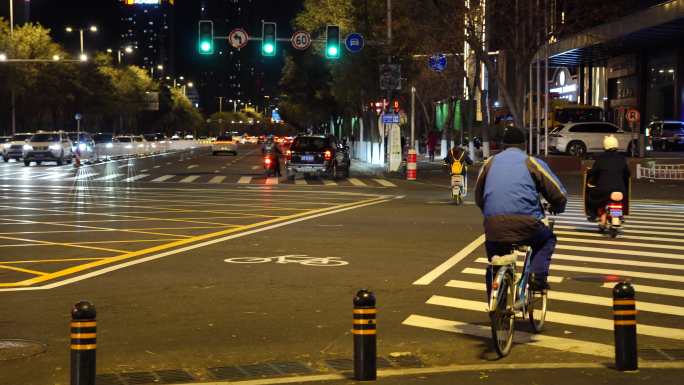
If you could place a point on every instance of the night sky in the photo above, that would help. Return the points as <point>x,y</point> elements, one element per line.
<point>56,14</point>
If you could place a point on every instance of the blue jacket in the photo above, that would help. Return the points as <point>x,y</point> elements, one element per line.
<point>507,192</point>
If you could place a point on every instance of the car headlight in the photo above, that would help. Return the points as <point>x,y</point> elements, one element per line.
<point>109,145</point>
<point>154,145</point>
<point>55,146</point>
<point>6,145</point>
<point>82,146</point>
<point>27,147</point>
<point>129,146</point>
<point>141,145</point>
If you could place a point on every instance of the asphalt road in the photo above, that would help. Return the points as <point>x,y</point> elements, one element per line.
<point>200,274</point>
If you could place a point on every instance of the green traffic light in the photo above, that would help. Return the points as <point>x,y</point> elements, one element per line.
<point>205,46</point>
<point>332,51</point>
<point>268,48</point>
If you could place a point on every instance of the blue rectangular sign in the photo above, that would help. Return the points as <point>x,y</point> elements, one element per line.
<point>391,118</point>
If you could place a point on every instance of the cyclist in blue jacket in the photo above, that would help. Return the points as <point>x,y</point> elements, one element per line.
<point>507,192</point>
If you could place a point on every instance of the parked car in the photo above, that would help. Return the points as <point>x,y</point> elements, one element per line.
<point>666,135</point>
<point>48,146</point>
<point>317,154</point>
<point>82,144</point>
<point>224,143</point>
<point>580,138</point>
<point>14,147</point>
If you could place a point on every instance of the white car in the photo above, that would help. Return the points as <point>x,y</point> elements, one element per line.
<point>82,144</point>
<point>224,143</point>
<point>48,146</point>
<point>580,138</point>
<point>14,148</point>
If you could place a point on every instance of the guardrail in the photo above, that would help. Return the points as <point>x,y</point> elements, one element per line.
<point>661,171</point>
<point>106,151</point>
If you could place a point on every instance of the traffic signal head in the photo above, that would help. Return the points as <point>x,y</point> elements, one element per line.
<point>205,43</point>
<point>268,36</point>
<point>332,42</point>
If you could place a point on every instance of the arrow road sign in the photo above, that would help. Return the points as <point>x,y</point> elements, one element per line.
<point>301,40</point>
<point>437,62</point>
<point>354,42</point>
<point>238,38</point>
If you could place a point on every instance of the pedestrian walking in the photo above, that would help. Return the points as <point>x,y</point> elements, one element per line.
<point>431,144</point>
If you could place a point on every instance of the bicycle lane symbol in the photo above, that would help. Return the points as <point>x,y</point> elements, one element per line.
<point>301,259</point>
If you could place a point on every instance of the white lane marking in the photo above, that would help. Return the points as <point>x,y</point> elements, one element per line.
<point>619,262</point>
<point>381,199</point>
<point>622,243</point>
<point>245,180</point>
<point>385,183</point>
<point>126,165</point>
<point>157,166</point>
<point>540,340</point>
<point>650,289</point>
<point>134,178</point>
<point>594,270</point>
<point>328,182</point>
<point>300,181</point>
<point>86,175</point>
<point>272,180</point>
<point>163,178</point>
<point>109,177</point>
<point>627,231</point>
<point>145,170</point>
<point>594,234</point>
<point>564,318</point>
<point>581,298</point>
<point>606,250</point>
<point>189,179</point>
<point>193,166</point>
<point>168,163</point>
<point>256,167</point>
<point>481,273</point>
<point>356,182</point>
<point>449,263</point>
<point>217,179</point>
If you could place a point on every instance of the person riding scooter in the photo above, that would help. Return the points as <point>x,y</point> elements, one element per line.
<point>607,180</point>
<point>458,160</point>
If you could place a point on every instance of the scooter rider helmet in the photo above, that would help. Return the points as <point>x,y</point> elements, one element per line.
<point>610,142</point>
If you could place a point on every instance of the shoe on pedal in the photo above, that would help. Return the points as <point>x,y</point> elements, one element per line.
<point>538,284</point>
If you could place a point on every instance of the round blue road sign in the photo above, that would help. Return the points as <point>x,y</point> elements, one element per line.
<point>437,62</point>
<point>354,42</point>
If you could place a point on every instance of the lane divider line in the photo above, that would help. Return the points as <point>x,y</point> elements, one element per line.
<point>451,262</point>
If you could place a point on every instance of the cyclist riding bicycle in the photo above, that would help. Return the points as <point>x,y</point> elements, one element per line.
<point>507,191</point>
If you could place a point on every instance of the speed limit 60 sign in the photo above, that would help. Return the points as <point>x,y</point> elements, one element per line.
<point>301,40</point>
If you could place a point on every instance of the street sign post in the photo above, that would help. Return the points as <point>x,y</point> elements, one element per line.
<point>633,116</point>
<point>391,118</point>
<point>238,38</point>
<point>390,77</point>
<point>354,42</point>
<point>437,62</point>
<point>301,40</point>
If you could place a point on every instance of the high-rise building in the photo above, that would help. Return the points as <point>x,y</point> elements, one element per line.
<point>148,27</point>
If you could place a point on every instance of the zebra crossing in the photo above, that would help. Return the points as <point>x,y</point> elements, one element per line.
<point>585,267</point>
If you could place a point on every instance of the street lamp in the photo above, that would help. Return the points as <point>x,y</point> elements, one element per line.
<point>83,57</point>
<point>3,57</point>
<point>92,28</point>
<point>128,49</point>
<point>191,84</point>
<point>55,57</point>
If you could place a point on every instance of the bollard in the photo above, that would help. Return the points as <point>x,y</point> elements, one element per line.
<point>83,333</point>
<point>624,315</point>
<point>411,169</point>
<point>364,336</point>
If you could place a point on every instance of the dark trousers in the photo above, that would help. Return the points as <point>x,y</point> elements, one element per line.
<point>543,243</point>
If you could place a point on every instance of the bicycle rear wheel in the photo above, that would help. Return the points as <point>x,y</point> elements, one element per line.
<point>503,316</point>
<point>536,308</point>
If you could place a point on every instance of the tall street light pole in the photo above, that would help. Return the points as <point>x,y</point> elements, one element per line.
<point>12,97</point>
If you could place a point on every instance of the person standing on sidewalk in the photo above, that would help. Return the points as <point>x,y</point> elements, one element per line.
<point>431,144</point>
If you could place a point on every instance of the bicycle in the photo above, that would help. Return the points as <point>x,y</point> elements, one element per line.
<point>511,294</point>
<point>284,259</point>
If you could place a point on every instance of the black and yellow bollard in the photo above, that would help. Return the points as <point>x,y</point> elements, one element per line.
<point>624,315</point>
<point>83,343</point>
<point>364,336</point>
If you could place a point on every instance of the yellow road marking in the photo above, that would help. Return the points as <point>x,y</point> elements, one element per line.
<point>88,243</point>
<point>181,242</point>
<point>50,260</point>
<point>64,244</point>
<point>34,272</point>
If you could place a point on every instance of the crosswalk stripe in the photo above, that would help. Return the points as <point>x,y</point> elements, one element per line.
<point>328,182</point>
<point>217,179</point>
<point>245,180</point>
<point>189,179</point>
<point>594,234</point>
<point>356,182</point>
<point>163,178</point>
<point>595,270</point>
<point>627,225</point>
<point>621,243</point>
<point>580,215</point>
<point>610,250</point>
<point>126,165</point>
<point>564,318</point>
<point>630,220</point>
<point>256,167</point>
<point>193,166</point>
<point>300,181</point>
<point>606,301</point>
<point>272,180</point>
<point>86,175</point>
<point>108,177</point>
<point>481,273</point>
<point>54,176</point>
<point>157,166</point>
<point>616,261</point>
<point>628,231</point>
<point>641,209</point>
<point>137,177</point>
<point>385,183</point>
<point>650,289</point>
<point>145,170</point>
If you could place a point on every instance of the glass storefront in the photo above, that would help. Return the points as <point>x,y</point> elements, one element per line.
<point>660,86</point>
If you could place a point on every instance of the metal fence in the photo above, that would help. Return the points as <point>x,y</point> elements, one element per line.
<point>661,171</point>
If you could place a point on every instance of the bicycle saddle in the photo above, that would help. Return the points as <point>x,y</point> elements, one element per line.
<point>503,260</point>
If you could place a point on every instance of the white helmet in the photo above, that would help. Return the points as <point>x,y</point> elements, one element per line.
<point>610,142</point>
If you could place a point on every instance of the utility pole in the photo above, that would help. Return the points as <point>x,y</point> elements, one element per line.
<point>220,98</point>
<point>413,116</point>
<point>12,96</point>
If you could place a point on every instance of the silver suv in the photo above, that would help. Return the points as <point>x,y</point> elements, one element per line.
<point>48,146</point>
<point>14,148</point>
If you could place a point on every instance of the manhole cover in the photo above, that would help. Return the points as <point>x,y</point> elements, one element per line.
<point>14,349</point>
<point>599,278</point>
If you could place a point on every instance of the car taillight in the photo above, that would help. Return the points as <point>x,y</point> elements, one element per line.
<point>289,155</point>
<point>615,206</point>
<point>327,155</point>
<point>267,160</point>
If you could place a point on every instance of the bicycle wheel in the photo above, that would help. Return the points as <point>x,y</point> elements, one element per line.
<point>536,308</point>
<point>248,260</point>
<point>332,261</point>
<point>503,316</point>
